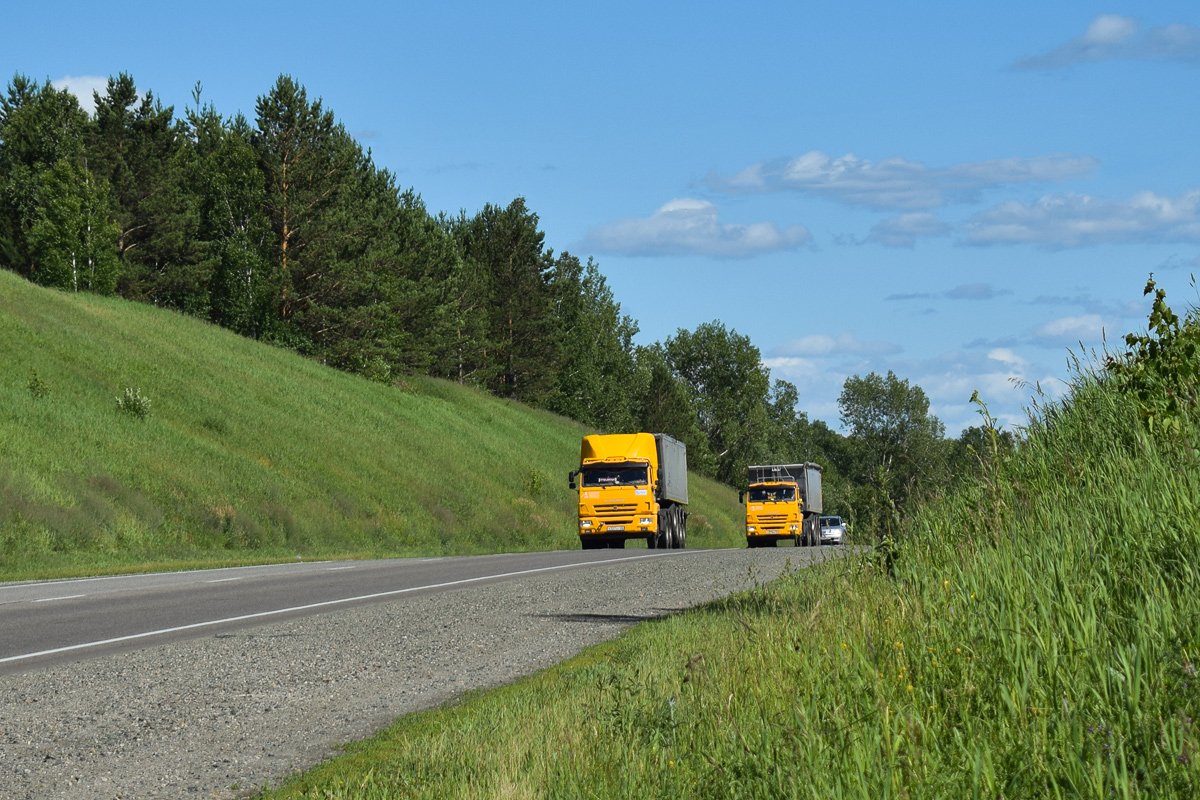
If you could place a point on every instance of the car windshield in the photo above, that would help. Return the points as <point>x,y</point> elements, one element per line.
<point>827,522</point>
<point>772,494</point>
<point>614,476</point>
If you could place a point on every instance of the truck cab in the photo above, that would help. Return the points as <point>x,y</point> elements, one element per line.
<point>629,488</point>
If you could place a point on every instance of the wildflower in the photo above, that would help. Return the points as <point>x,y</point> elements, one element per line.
<point>946,584</point>
<point>910,687</point>
<point>900,645</point>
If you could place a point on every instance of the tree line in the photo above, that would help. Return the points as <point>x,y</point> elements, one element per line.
<point>283,229</point>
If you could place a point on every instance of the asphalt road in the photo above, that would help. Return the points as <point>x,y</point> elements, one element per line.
<point>47,623</point>
<point>206,684</point>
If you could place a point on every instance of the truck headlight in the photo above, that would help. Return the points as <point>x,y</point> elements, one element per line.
<point>585,523</point>
<point>749,529</point>
<point>795,527</point>
<point>644,521</point>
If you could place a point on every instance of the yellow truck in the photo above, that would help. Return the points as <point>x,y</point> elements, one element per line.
<point>632,486</point>
<point>783,501</point>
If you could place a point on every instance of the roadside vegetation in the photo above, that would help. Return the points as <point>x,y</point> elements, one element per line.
<point>1032,634</point>
<point>133,437</point>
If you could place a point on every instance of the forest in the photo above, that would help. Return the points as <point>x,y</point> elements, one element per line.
<point>281,228</point>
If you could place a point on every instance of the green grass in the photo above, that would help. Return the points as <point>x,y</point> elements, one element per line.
<point>251,453</point>
<point>1033,635</point>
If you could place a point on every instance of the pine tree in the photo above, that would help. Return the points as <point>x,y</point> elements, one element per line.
<point>507,247</point>
<point>306,158</point>
<point>597,366</point>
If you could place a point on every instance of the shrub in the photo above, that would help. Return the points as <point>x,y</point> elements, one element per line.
<point>38,388</point>
<point>134,403</point>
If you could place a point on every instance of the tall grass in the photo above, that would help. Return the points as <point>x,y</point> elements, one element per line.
<point>225,450</point>
<point>1035,634</point>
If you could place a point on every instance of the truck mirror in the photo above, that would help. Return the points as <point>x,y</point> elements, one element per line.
<point>741,497</point>
<point>571,478</point>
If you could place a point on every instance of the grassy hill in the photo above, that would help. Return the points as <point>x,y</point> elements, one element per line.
<point>252,453</point>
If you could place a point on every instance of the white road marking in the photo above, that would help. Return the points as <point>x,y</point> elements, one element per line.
<point>27,584</point>
<point>226,580</point>
<point>64,597</point>
<point>335,569</point>
<point>325,603</point>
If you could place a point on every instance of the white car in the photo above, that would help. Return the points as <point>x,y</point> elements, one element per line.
<point>833,530</point>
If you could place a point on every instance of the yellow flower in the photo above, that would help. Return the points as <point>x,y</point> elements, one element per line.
<point>900,645</point>
<point>946,584</point>
<point>910,687</point>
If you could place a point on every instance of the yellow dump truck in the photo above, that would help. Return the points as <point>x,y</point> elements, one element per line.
<point>632,486</point>
<point>783,501</point>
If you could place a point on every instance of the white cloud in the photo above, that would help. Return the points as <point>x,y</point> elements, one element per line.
<point>1005,380</point>
<point>1006,356</point>
<point>1110,36</point>
<point>82,86</point>
<point>691,227</point>
<point>897,182</point>
<point>794,368</point>
<point>1087,328</point>
<point>902,231</point>
<point>820,345</point>
<point>1076,220</point>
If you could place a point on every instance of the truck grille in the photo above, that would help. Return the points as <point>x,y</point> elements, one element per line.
<point>615,508</point>
<point>770,519</point>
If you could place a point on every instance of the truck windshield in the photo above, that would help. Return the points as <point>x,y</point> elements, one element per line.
<point>772,494</point>
<point>614,476</point>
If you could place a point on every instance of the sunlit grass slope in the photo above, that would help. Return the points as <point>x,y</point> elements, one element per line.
<point>1034,635</point>
<point>250,452</point>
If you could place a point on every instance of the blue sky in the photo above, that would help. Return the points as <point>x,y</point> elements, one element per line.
<point>957,192</point>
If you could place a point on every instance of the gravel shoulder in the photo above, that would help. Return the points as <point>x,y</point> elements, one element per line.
<point>221,716</point>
